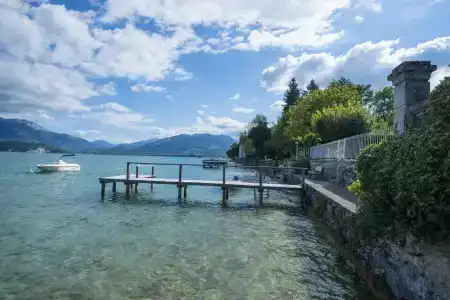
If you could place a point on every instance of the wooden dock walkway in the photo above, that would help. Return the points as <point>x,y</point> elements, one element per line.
<point>133,180</point>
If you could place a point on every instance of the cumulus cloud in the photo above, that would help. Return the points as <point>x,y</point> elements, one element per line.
<point>244,110</point>
<point>140,87</point>
<point>53,54</point>
<point>235,97</point>
<point>293,24</point>
<point>107,89</point>
<point>367,63</point>
<point>278,105</point>
<point>359,19</point>
<point>204,106</point>
<point>440,74</point>
<point>200,112</point>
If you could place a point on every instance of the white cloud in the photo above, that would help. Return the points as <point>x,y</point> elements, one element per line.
<point>235,97</point>
<point>107,89</point>
<point>440,74</point>
<point>44,115</point>
<point>204,106</point>
<point>359,19</point>
<point>374,5</point>
<point>295,23</point>
<point>367,63</point>
<point>113,106</point>
<point>200,112</point>
<point>53,53</point>
<point>243,110</point>
<point>211,124</point>
<point>278,105</point>
<point>140,87</point>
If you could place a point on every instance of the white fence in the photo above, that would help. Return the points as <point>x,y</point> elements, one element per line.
<point>349,148</point>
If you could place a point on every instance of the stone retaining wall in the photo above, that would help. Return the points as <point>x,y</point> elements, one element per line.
<point>412,271</point>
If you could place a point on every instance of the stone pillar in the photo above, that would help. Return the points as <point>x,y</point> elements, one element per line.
<point>411,91</point>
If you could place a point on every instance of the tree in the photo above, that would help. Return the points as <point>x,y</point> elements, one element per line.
<point>300,115</point>
<point>259,132</point>
<point>381,105</point>
<point>312,86</point>
<point>292,94</point>
<point>338,122</point>
<point>233,151</point>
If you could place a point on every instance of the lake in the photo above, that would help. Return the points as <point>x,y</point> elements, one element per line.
<point>58,240</point>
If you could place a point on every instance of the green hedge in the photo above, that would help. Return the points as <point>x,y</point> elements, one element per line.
<point>404,184</point>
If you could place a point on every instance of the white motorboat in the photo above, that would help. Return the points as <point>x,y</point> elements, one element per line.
<point>59,166</point>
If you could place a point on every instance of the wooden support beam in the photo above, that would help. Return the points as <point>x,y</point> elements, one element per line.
<point>180,174</point>
<point>260,188</point>
<point>114,187</point>
<point>128,170</point>
<point>127,189</point>
<point>136,187</point>
<point>226,194</point>
<point>185,192</point>
<point>224,198</point>
<point>153,174</point>
<point>103,190</point>
<point>137,171</point>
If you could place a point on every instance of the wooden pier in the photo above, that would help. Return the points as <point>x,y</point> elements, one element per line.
<point>133,180</point>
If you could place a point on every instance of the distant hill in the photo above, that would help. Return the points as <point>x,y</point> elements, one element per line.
<point>15,146</point>
<point>26,131</point>
<point>100,144</point>
<point>184,144</point>
<point>20,130</point>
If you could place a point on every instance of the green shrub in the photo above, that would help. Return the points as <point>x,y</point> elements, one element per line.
<point>338,122</point>
<point>404,184</point>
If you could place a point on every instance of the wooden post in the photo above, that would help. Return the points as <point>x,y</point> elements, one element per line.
<point>127,189</point>
<point>135,187</point>
<point>226,194</point>
<point>260,187</point>
<point>303,178</point>
<point>153,174</point>
<point>128,170</point>
<point>103,190</point>
<point>114,187</point>
<point>185,192</point>
<point>180,172</point>
<point>137,171</point>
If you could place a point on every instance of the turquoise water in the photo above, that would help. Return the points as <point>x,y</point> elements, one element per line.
<point>58,240</point>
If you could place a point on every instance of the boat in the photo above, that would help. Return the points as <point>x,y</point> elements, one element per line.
<point>214,162</point>
<point>59,166</point>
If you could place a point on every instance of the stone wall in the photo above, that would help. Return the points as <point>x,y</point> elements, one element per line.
<point>411,271</point>
<point>339,171</point>
<point>329,167</point>
<point>346,172</point>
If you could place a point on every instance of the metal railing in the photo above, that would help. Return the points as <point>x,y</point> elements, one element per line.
<point>351,147</point>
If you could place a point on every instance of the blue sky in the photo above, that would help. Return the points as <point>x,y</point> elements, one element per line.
<point>130,70</point>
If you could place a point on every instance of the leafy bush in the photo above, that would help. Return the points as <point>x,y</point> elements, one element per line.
<point>338,122</point>
<point>233,151</point>
<point>300,114</point>
<point>403,184</point>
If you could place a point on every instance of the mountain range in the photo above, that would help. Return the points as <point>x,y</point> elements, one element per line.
<point>197,144</point>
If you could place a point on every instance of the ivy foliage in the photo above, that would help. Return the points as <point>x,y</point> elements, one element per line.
<point>404,183</point>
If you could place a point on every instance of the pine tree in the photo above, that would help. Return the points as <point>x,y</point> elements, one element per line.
<point>312,86</point>
<point>292,94</point>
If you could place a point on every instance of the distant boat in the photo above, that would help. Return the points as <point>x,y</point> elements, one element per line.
<point>59,166</point>
<point>214,162</point>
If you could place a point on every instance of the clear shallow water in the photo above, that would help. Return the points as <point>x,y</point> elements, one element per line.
<point>59,241</point>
